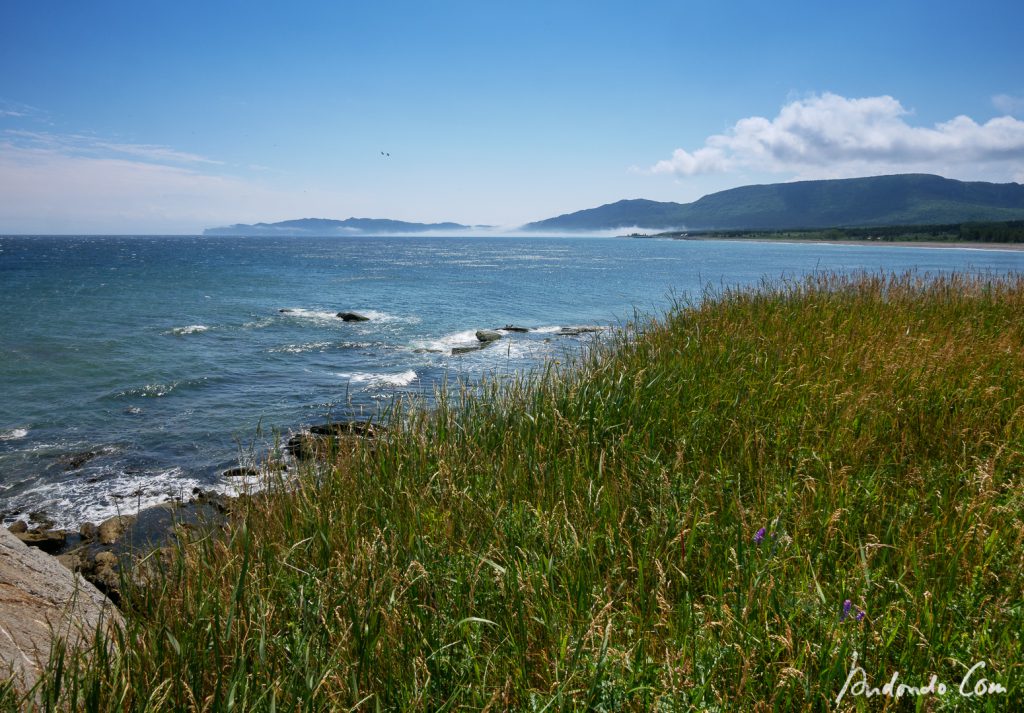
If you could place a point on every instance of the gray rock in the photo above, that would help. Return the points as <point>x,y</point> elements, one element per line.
<point>466,350</point>
<point>514,328</point>
<point>40,600</point>
<point>581,329</point>
<point>353,317</point>
<point>487,335</point>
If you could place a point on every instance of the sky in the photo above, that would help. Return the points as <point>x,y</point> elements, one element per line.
<point>169,117</point>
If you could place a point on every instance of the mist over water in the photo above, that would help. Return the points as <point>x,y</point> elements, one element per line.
<point>160,358</point>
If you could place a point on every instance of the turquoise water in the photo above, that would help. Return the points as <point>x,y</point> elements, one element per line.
<point>162,356</point>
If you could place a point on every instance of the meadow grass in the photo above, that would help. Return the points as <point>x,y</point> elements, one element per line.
<point>673,523</point>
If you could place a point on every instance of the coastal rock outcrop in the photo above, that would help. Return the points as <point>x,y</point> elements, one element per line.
<point>579,329</point>
<point>41,601</point>
<point>487,335</point>
<point>110,531</point>
<point>514,328</point>
<point>353,317</point>
<point>322,440</point>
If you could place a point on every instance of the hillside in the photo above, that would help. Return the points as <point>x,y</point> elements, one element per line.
<point>326,227</point>
<point>909,199</point>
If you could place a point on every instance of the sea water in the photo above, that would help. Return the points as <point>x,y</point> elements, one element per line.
<point>135,369</point>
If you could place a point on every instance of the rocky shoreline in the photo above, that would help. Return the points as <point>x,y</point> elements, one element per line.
<point>104,553</point>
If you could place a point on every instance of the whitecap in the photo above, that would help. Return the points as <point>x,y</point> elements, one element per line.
<point>14,434</point>
<point>376,380</point>
<point>445,343</point>
<point>72,502</point>
<point>191,329</point>
<point>301,348</point>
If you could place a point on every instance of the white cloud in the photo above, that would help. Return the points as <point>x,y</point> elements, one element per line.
<point>1008,104</point>
<point>831,136</point>
<point>78,144</point>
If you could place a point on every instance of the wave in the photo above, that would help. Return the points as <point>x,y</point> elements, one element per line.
<point>157,390</point>
<point>191,329</point>
<point>72,502</point>
<point>301,348</point>
<point>322,316</point>
<point>379,381</point>
<point>14,434</point>
<point>445,343</point>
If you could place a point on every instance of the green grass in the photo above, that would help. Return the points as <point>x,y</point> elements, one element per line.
<point>584,539</point>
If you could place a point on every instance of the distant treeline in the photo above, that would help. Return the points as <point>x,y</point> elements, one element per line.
<point>1011,231</point>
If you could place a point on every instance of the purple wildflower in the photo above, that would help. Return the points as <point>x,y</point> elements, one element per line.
<point>847,605</point>
<point>758,536</point>
<point>860,615</point>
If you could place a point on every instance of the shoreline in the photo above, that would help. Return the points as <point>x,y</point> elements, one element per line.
<point>958,245</point>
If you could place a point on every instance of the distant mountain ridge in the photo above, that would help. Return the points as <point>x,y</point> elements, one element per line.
<point>904,199</point>
<point>322,227</point>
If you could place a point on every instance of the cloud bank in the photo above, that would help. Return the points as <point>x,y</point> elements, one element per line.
<point>830,136</point>
<point>71,183</point>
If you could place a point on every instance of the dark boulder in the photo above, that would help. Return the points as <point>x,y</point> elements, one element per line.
<point>74,461</point>
<point>353,317</point>
<point>49,541</point>
<point>488,335</point>
<point>514,328</point>
<point>324,440</point>
<point>466,350</point>
<point>240,472</point>
<point>577,330</point>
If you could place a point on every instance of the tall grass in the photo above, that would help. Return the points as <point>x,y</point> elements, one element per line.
<point>588,537</point>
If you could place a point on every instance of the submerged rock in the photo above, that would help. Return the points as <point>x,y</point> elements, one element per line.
<point>514,328</point>
<point>353,317</point>
<point>488,335</point>
<point>285,310</point>
<point>74,461</point>
<point>465,350</point>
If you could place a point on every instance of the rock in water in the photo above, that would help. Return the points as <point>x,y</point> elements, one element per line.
<point>487,335</point>
<point>579,329</point>
<point>514,328</point>
<point>74,461</point>
<point>240,472</point>
<point>110,531</point>
<point>41,600</point>
<point>353,317</point>
<point>324,440</point>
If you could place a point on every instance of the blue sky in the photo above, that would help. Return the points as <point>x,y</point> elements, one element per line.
<point>160,117</point>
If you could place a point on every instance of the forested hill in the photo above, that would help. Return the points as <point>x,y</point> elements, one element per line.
<point>326,227</point>
<point>908,199</point>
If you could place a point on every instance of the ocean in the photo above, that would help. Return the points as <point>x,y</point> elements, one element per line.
<point>135,369</point>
